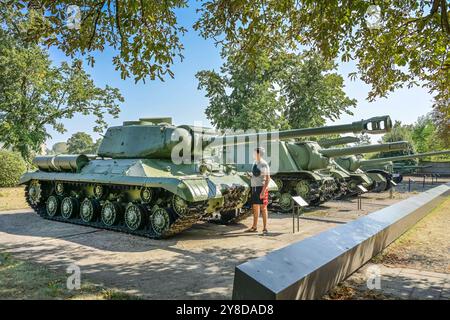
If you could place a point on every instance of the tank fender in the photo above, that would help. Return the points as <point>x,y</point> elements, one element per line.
<point>314,176</point>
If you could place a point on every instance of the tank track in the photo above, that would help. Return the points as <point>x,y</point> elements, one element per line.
<point>231,217</point>
<point>180,224</point>
<point>314,199</point>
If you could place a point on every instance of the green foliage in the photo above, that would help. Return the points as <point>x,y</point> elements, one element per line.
<point>96,145</point>
<point>364,139</point>
<point>37,95</point>
<point>81,142</point>
<point>422,135</point>
<point>59,148</point>
<point>399,132</point>
<point>277,92</point>
<point>12,166</point>
<point>410,47</point>
<point>144,34</point>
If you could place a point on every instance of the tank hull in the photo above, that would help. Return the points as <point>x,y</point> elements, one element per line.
<point>179,195</point>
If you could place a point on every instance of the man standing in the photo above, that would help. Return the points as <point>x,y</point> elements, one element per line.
<point>260,189</point>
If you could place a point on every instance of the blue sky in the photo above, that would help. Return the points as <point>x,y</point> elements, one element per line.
<point>180,99</point>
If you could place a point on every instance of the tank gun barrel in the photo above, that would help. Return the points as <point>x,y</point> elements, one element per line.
<point>326,143</point>
<point>373,125</point>
<point>338,152</point>
<point>405,157</point>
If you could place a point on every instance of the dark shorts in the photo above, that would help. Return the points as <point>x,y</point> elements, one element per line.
<point>256,199</point>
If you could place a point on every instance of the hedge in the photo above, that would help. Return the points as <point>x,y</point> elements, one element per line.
<point>12,166</point>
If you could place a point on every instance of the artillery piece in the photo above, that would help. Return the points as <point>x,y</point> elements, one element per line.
<point>387,164</point>
<point>301,168</point>
<point>134,185</point>
<point>355,176</point>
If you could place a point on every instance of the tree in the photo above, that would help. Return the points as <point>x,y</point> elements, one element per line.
<point>144,34</point>
<point>59,148</point>
<point>424,135</point>
<point>12,167</point>
<point>36,95</point>
<point>80,142</point>
<point>364,139</point>
<point>282,91</point>
<point>395,43</point>
<point>95,146</point>
<point>399,132</point>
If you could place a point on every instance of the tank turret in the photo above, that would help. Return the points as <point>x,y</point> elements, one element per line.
<point>158,138</point>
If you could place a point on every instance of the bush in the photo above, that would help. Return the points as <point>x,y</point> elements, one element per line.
<point>12,166</point>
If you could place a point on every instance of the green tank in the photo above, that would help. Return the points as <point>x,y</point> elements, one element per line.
<point>134,185</point>
<point>343,161</point>
<point>390,166</point>
<point>400,169</point>
<point>302,168</point>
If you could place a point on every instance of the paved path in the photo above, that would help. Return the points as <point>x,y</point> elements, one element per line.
<point>198,263</point>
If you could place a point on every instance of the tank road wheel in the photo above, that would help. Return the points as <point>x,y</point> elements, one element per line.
<point>34,192</point>
<point>53,206</point>
<point>302,188</point>
<point>179,205</point>
<point>89,210</point>
<point>380,186</point>
<point>146,195</point>
<point>286,202</point>
<point>100,191</point>
<point>160,220</point>
<point>134,216</point>
<point>59,188</point>
<point>69,207</point>
<point>279,183</point>
<point>111,213</point>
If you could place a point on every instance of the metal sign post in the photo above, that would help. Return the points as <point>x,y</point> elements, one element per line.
<point>299,203</point>
<point>359,199</point>
<point>392,189</point>
<point>409,184</point>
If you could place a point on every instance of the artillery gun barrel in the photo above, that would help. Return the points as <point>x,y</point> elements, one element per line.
<point>373,125</point>
<point>406,157</point>
<point>338,152</point>
<point>326,143</point>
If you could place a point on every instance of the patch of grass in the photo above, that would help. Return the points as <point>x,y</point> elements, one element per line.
<point>349,291</point>
<point>425,245</point>
<point>12,198</point>
<point>23,280</point>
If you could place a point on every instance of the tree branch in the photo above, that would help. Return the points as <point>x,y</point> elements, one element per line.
<point>99,12</point>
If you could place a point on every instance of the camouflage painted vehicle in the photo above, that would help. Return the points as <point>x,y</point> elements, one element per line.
<point>395,170</point>
<point>302,168</point>
<point>134,186</point>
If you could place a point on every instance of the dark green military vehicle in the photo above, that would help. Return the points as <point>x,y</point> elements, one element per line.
<point>388,164</point>
<point>134,185</point>
<point>303,167</point>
